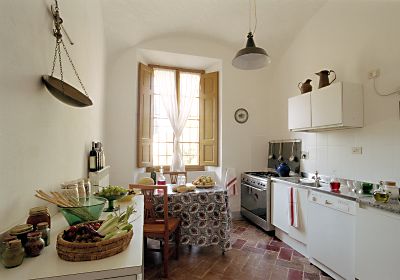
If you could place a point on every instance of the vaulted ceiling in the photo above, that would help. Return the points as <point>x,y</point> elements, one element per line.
<point>129,22</point>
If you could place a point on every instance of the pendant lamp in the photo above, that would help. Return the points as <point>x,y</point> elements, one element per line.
<point>251,57</point>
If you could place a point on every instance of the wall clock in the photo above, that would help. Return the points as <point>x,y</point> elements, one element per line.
<point>241,115</point>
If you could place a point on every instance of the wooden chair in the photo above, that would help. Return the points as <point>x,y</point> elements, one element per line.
<point>159,228</point>
<point>173,175</point>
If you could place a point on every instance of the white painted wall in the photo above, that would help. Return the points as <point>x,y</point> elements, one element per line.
<point>350,37</point>
<point>243,146</point>
<point>44,142</point>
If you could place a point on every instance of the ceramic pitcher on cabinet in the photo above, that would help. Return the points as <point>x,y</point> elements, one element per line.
<point>305,87</point>
<point>324,78</point>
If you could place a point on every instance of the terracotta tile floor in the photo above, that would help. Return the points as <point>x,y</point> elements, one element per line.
<point>254,256</point>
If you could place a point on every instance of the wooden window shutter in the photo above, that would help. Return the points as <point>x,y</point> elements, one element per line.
<point>209,119</point>
<point>145,117</point>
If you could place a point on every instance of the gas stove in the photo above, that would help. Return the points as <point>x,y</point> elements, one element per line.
<point>263,174</point>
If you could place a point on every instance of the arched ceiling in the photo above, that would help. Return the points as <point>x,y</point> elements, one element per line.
<point>129,22</point>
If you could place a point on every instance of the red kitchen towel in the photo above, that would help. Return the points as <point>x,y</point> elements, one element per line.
<point>293,211</point>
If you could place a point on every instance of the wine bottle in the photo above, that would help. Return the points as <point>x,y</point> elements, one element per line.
<point>93,159</point>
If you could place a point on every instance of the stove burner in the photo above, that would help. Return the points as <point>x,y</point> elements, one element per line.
<point>263,174</point>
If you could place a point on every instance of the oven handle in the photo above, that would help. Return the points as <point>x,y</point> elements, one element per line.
<point>251,187</point>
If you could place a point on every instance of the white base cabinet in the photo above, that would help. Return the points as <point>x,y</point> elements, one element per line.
<point>280,210</point>
<point>377,244</point>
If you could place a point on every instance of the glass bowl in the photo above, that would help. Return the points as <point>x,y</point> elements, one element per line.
<point>111,199</point>
<point>90,210</point>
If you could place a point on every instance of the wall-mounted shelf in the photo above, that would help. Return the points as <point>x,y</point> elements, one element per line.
<point>100,178</point>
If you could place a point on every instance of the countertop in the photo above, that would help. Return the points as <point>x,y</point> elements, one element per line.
<point>49,266</point>
<point>366,200</point>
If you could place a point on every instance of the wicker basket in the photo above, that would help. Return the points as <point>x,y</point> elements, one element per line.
<point>77,252</point>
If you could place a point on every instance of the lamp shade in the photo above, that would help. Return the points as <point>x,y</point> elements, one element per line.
<point>251,57</point>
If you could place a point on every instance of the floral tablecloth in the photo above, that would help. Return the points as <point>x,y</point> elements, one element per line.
<point>205,216</point>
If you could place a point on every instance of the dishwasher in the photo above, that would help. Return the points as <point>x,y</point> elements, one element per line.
<point>331,236</point>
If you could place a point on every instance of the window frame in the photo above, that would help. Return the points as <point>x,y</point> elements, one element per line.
<point>178,70</point>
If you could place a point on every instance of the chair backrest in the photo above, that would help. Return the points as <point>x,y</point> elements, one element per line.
<point>174,175</point>
<point>150,215</point>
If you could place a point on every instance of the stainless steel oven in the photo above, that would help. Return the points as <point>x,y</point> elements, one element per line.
<point>256,197</point>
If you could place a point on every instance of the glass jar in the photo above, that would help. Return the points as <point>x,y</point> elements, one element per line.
<point>44,229</point>
<point>88,188</point>
<point>35,244</point>
<point>21,232</point>
<point>392,189</point>
<point>13,254</point>
<point>81,189</point>
<point>71,190</point>
<point>38,215</point>
<point>3,243</point>
<point>381,194</point>
<point>335,184</point>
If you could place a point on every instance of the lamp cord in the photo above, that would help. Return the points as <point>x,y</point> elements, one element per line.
<point>255,16</point>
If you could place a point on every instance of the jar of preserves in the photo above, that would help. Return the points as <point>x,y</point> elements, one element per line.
<point>34,245</point>
<point>44,229</point>
<point>38,215</point>
<point>13,255</point>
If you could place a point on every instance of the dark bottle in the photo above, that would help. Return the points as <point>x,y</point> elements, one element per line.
<point>93,159</point>
<point>153,175</point>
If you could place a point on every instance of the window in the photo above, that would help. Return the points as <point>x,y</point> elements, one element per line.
<point>163,134</point>
<point>199,138</point>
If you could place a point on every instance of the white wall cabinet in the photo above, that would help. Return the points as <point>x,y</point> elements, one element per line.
<point>300,111</point>
<point>337,106</point>
<point>377,244</point>
<point>280,210</point>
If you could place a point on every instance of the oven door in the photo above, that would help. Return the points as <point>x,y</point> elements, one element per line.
<point>254,200</point>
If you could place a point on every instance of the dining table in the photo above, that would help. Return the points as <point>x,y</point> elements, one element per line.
<point>206,219</point>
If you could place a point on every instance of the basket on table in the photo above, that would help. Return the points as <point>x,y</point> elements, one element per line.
<point>77,252</point>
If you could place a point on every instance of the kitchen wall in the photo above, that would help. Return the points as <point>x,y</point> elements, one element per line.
<point>243,146</point>
<point>352,38</point>
<point>44,142</point>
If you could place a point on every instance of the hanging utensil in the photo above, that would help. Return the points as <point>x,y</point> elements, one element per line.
<point>292,156</point>
<point>280,152</point>
<point>271,151</point>
<point>57,87</point>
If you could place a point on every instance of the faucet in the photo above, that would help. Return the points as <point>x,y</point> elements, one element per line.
<point>317,179</point>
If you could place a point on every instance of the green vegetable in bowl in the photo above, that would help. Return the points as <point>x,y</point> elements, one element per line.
<point>112,191</point>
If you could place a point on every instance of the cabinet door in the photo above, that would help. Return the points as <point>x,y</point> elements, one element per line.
<point>377,244</point>
<point>300,233</point>
<point>280,206</point>
<point>326,106</point>
<point>299,111</point>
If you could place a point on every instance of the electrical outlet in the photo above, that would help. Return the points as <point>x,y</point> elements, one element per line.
<point>373,74</point>
<point>305,155</point>
<point>356,150</point>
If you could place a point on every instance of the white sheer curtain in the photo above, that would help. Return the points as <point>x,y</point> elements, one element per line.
<point>165,85</point>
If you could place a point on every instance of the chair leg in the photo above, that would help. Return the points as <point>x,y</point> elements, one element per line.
<point>177,240</point>
<point>166,255</point>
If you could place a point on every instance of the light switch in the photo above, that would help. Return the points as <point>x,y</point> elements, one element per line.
<point>356,150</point>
